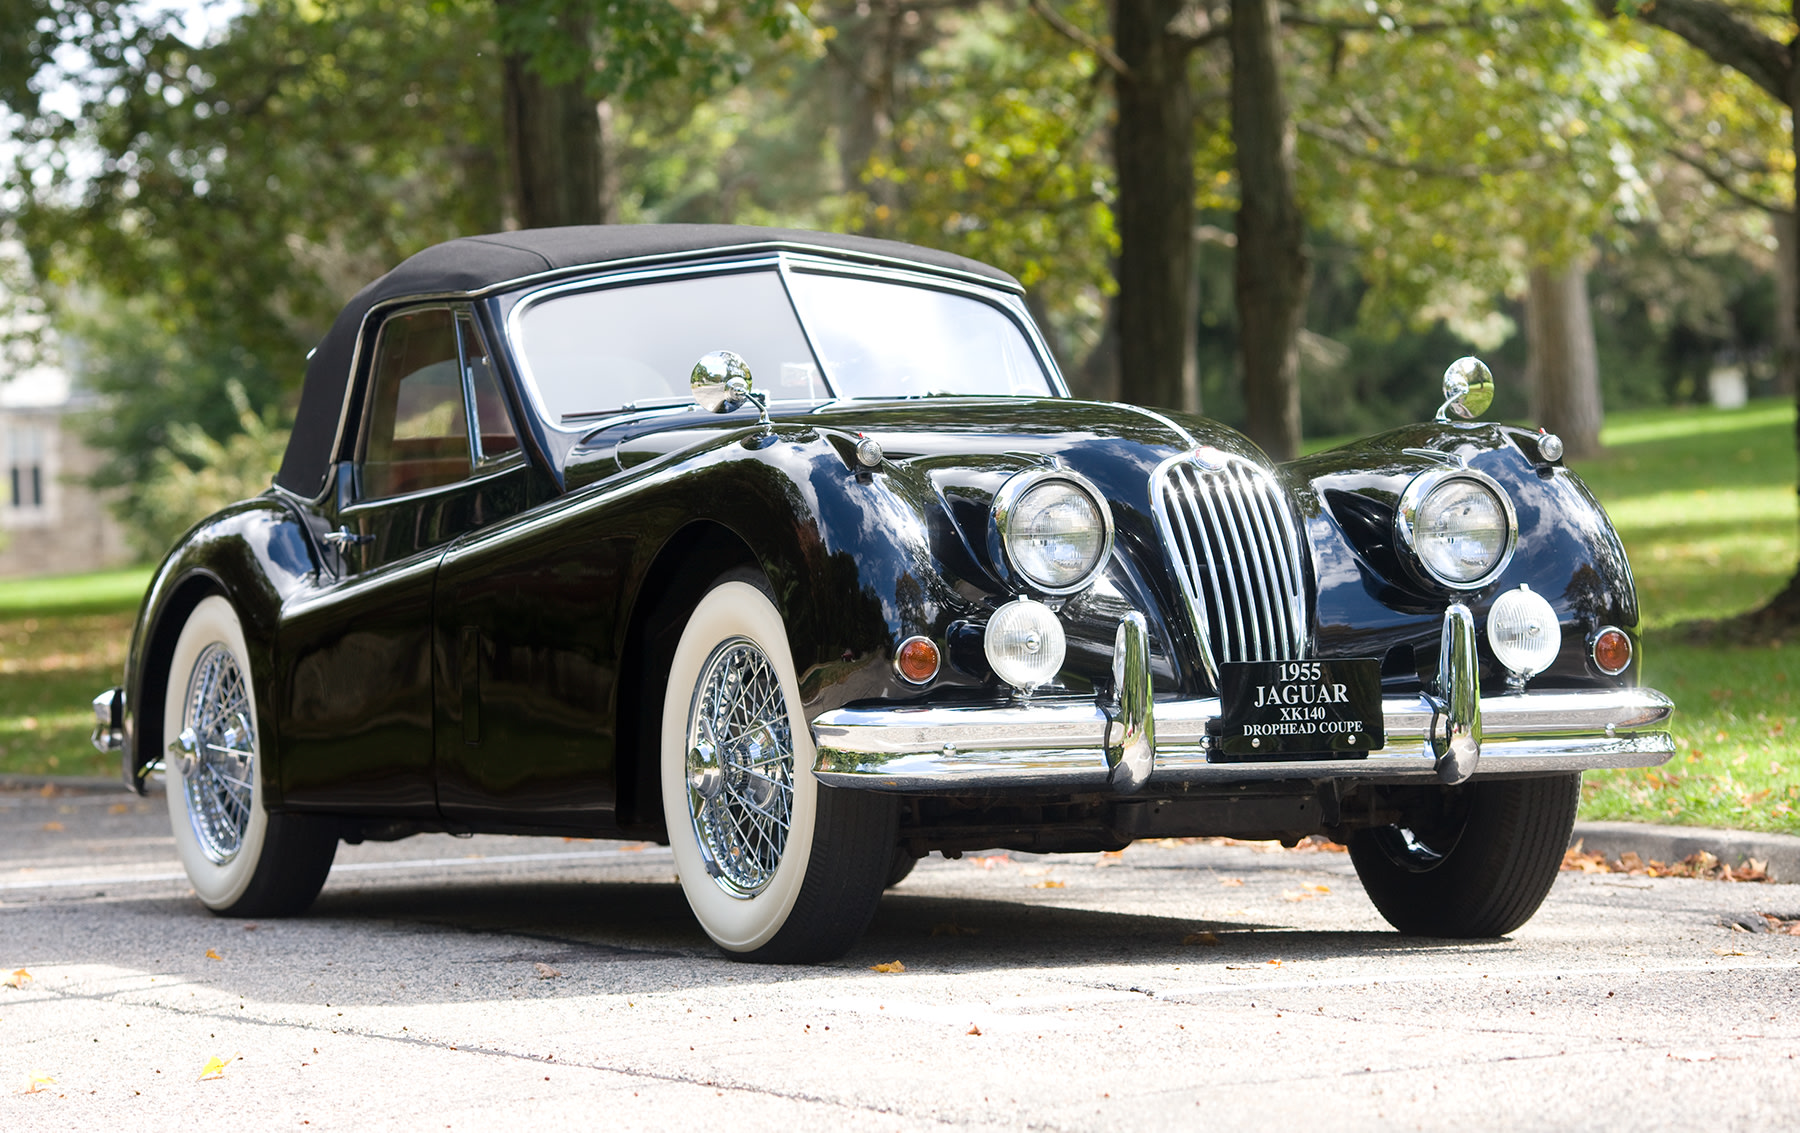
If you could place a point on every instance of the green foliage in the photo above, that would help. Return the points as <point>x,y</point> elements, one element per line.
<point>628,48</point>
<point>197,475</point>
<point>999,154</point>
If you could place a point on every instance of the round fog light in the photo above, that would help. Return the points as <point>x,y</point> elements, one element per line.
<point>917,659</point>
<point>1024,644</point>
<point>1612,651</point>
<point>1523,632</point>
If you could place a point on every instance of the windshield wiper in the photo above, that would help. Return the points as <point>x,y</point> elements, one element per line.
<point>629,407</point>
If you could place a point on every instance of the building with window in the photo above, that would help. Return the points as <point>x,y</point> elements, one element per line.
<point>50,521</point>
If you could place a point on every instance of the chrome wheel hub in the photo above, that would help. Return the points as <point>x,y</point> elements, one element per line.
<point>740,767</point>
<point>215,754</point>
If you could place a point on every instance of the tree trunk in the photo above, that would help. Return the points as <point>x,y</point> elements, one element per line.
<point>553,149</point>
<point>1787,304</point>
<point>1153,151</point>
<point>1273,272</point>
<point>1562,371</point>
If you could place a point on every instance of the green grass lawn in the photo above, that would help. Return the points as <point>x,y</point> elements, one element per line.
<point>1703,498</point>
<point>61,641</point>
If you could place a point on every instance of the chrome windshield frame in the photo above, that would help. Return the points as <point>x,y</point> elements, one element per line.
<point>782,264</point>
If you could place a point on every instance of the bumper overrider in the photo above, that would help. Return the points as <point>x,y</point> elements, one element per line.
<point>1135,741</point>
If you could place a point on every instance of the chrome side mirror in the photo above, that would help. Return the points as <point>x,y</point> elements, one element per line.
<point>720,381</point>
<point>1468,390</point>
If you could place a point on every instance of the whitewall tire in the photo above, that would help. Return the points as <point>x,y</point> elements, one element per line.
<point>241,860</point>
<point>774,866</point>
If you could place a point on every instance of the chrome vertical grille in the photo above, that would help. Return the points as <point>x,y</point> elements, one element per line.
<point>1232,539</point>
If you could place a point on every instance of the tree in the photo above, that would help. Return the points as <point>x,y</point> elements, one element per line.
<point>1749,45</point>
<point>1273,271</point>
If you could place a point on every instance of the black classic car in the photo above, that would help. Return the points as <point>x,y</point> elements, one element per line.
<point>791,550</point>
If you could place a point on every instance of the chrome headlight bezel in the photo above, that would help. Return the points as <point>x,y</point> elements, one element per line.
<point>1005,508</point>
<point>1406,515</point>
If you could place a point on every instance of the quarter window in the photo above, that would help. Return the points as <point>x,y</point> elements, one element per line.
<point>494,434</point>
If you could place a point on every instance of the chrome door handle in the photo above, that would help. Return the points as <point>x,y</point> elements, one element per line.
<point>344,537</point>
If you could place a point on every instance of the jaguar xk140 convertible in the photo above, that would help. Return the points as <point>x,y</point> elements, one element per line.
<point>791,550</point>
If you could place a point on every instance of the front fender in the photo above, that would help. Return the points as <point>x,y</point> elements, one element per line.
<point>254,553</point>
<point>1370,605</point>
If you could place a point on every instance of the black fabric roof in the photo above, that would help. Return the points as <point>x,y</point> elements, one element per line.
<point>478,262</point>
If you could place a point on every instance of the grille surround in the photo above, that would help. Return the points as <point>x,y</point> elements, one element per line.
<point>1233,542</point>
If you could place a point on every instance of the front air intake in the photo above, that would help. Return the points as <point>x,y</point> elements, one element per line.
<point>1231,537</point>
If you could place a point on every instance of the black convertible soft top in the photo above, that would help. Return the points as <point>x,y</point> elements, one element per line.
<point>476,263</point>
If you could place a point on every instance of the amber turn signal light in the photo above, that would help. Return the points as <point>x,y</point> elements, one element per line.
<point>1612,651</point>
<point>917,659</point>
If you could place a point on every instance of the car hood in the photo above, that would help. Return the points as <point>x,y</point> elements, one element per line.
<point>1117,446</point>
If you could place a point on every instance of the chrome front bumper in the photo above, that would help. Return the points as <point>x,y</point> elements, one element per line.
<point>1136,741</point>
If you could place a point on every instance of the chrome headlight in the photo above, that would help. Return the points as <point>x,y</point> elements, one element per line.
<point>1051,531</point>
<point>1457,525</point>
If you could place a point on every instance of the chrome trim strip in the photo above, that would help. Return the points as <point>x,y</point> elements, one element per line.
<point>1062,746</point>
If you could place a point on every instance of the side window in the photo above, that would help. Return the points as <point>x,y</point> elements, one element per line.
<point>418,435</point>
<point>494,436</point>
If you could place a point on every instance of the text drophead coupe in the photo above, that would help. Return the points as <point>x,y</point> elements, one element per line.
<point>790,549</point>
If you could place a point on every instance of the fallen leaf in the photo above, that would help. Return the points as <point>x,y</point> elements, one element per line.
<point>49,791</point>
<point>1693,1055</point>
<point>19,978</point>
<point>1047,883</point>
<point>251,927</point>
<point>973,1030</point>
<point>1274,963</point>
<point>36,1081</point>
<point>545,971</point>
<point>214,1069</point>
<point>53,826</point>
<point>1232,882</point>
<point>212,955</point>
<point>1726,952</point>
<point>890,966</point>
<point>1207,938</point>
<point>119,808</point>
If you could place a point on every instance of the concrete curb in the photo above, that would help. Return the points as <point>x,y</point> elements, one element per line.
<point>1780,853</point>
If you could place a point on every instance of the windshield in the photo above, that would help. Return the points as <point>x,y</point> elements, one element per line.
<point>635,345</point>
<point>881,339</point>
<point>632,345</point>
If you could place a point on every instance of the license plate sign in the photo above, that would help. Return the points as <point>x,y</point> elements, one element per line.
<point>1287,709</point>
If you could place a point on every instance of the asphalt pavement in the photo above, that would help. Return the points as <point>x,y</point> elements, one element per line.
<point>507,982</point>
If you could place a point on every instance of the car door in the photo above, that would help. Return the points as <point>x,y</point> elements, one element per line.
<point>436,457</point>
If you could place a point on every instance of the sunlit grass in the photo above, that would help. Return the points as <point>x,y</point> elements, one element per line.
<point>1704,501</point>
<point>51,665</point>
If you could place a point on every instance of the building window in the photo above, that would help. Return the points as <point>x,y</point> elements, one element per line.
<point>25,467</point>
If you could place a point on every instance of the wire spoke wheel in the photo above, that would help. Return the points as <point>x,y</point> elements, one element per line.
<point>218,754</point>
<point>241,859</point>
<point>776,867</point>
<point>740,767</point>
